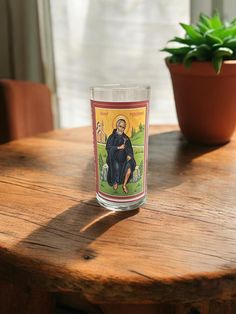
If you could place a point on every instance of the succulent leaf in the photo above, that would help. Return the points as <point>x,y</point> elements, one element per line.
<point>217,63</point>
<point>224,32</point>
<point>177,51</point>
<point>204,52</point>
<point>202,27</point>
<point>180,40</point>
<point>176,58</point>
<point>213,39</point>
<point>216,21</point>
<point>205,19</point>
<point>231,44</point>
<point>209,40</point>
<point>189,56</point>
<point>223,52</point>
<point>218,56</point>
<point>193,33</point>
<point>233,21</point>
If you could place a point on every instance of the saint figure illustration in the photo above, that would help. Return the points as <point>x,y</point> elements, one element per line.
<point>120,157</point>
<point>100,134</point>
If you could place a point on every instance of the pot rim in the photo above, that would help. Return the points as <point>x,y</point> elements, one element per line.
<point>201,68</point>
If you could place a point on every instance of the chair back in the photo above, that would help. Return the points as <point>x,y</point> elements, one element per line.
<point>25,109</point>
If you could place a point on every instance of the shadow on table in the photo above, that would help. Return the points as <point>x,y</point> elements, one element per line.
<point>74,230</point>
<point>20,157</point>
<point>77,227</point>
<point>170,159</point>
<point>66,238</point>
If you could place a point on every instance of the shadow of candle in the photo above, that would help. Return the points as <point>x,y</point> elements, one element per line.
<point>74,230</point>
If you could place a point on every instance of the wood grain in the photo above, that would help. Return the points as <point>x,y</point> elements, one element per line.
<point>17,299</point>
<point>179,247</point>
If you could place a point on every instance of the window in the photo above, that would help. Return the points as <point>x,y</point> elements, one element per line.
<point>110,41</point>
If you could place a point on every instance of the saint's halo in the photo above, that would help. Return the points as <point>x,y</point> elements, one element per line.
<point>124,118</point>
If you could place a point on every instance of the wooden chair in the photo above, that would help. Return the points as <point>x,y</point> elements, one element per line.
<point>25,109</point>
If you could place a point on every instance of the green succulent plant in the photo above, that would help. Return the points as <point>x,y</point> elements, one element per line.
<point>209,40</point>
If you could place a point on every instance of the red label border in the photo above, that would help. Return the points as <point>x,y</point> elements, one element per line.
<point>120,105</point>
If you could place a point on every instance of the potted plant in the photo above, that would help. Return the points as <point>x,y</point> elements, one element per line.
<point>203,72</point>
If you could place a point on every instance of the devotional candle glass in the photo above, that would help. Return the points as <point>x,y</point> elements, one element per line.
<point>120,136</point>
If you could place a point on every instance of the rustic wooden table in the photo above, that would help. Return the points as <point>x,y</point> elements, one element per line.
<point>177,253</point>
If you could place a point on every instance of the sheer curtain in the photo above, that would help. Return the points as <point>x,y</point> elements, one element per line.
<point>110,41</point>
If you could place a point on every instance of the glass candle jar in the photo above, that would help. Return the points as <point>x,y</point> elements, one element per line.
<point>120,136</point>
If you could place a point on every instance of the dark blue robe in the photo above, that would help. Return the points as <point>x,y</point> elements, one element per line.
<point>117,161</point>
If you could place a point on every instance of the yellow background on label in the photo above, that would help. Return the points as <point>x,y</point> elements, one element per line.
<point>108,118</point>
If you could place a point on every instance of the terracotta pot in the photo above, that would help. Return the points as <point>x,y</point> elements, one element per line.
<point>205,102</point>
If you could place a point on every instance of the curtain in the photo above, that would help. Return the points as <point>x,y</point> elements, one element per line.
<point>226,8</point>
<point>112,41</point>
<point>25,37</point>
<point>20,41</point>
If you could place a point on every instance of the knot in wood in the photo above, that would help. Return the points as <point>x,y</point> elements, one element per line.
<point>87,257</point>
<point>194,310</point>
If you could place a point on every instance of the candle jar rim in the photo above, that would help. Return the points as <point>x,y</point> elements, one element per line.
<point>130,92</point>
<point>117,86</point>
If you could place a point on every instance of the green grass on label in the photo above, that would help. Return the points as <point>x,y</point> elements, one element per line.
<point>133,188</point>
<point>138,138</point>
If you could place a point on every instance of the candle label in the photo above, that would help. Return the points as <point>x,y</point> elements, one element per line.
<point>120,146</point>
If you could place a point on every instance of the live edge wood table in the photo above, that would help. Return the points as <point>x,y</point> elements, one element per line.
<point>176,254</point>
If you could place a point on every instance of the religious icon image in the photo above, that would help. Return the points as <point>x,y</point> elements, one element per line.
<point>120,157</point>
<point>120,151</point>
